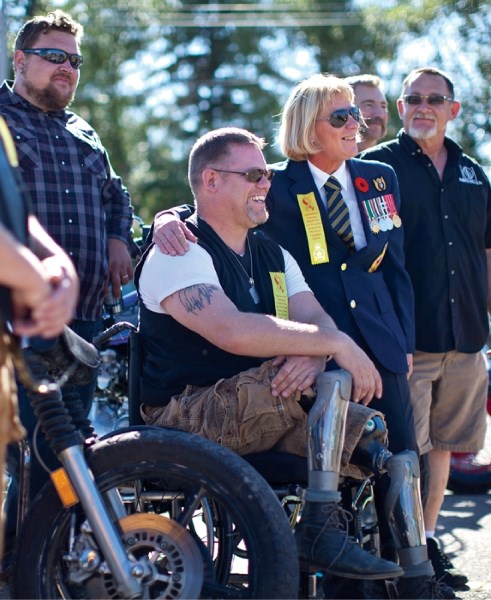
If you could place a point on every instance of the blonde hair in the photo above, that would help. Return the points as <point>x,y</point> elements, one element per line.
<point>296,135</point>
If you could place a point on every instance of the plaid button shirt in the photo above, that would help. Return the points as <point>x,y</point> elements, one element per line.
<point>73,189</point>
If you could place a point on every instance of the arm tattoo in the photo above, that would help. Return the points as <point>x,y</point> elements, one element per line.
<point>196,297</point>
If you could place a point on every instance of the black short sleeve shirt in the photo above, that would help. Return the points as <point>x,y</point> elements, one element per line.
<point>447,225</point>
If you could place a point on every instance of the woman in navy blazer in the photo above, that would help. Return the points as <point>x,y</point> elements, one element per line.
<point>366,290</point>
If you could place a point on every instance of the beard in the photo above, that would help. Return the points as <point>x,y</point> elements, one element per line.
<point>257,219</point>
<point>50,97</point>
<point>421,134</point>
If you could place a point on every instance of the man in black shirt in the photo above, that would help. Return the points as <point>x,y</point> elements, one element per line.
<point>446,210</point>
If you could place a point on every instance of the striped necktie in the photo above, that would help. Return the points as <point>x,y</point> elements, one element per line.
<point>338,212</point>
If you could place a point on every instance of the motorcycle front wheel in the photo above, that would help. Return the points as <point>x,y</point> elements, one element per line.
<point>230,516</point>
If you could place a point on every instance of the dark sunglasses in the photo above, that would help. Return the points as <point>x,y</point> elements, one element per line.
<point>56,56</point>
<point>252,175</point>
<point>339,118</point>
<point>433,100</point>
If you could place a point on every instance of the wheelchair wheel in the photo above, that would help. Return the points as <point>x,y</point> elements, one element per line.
<point>177,478</point>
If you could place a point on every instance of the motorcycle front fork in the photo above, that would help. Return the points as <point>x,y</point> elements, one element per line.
<point>127,574</point>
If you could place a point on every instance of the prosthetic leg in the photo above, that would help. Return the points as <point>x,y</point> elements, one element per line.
<point>322,534</point>
<point>403,508</point>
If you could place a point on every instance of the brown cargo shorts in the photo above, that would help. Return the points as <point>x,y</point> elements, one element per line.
<point>241,414</point>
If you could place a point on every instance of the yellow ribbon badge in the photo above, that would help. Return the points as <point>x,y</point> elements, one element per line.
<point>280,294</point>
<point>313,228</point>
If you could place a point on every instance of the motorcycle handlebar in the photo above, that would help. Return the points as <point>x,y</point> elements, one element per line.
<point>107,334</point>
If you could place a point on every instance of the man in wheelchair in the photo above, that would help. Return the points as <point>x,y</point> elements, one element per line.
<point>234,349</point>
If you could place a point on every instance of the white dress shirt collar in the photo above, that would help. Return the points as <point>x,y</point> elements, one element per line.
<point>320,176</point>
<point>343,176</point>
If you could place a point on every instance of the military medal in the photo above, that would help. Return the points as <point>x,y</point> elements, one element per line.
<point>372,220</point>
<point>392,210</point>
<point>381,213</point>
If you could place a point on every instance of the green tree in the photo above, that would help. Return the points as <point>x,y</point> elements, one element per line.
<point>159,73</point>
<point>454,35</point>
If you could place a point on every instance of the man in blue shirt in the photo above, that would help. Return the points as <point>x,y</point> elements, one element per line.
<point>74,191</point>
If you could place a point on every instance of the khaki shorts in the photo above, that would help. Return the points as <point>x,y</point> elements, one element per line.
<point>241,414</point>
<point>448,394</point>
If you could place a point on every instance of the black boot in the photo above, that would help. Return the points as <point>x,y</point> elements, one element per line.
<point>444,569</point>
<point>423,588</point>
<point>323,542</point>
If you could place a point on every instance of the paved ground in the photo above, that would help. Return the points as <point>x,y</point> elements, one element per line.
<point>465,532</point>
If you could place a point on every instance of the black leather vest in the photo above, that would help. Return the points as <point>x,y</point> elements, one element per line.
<point>175,356</point>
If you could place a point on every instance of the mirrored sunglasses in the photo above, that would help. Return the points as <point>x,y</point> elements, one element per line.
<point>339,118</point>
<point>56,56</point>
<point>252,175</point>
<point>431,100</point>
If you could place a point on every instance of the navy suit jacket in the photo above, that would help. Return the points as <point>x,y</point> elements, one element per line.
<point>375,308</point>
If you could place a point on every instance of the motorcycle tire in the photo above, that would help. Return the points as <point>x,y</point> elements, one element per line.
<point>163,460</point>
<point>477,481</point>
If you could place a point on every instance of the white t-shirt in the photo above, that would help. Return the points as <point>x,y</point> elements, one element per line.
<point>162,275</point>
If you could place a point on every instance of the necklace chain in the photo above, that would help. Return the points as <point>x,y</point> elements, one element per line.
<point>252,289</point>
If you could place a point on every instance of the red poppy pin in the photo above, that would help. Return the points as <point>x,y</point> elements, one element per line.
<point>361,184</point>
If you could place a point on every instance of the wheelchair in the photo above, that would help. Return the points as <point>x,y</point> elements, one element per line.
<point>287,475</point>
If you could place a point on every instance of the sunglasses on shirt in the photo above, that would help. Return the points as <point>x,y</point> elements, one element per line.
<point>252,175</point>
<point>432,100</point>
<point>56,56</point>
<point>339,118</point>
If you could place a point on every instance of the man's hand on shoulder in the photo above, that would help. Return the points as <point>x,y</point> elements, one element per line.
<point>170,235</point>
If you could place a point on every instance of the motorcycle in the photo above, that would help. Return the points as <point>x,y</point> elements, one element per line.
<point>143,512</point>
<point>110,405</point>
